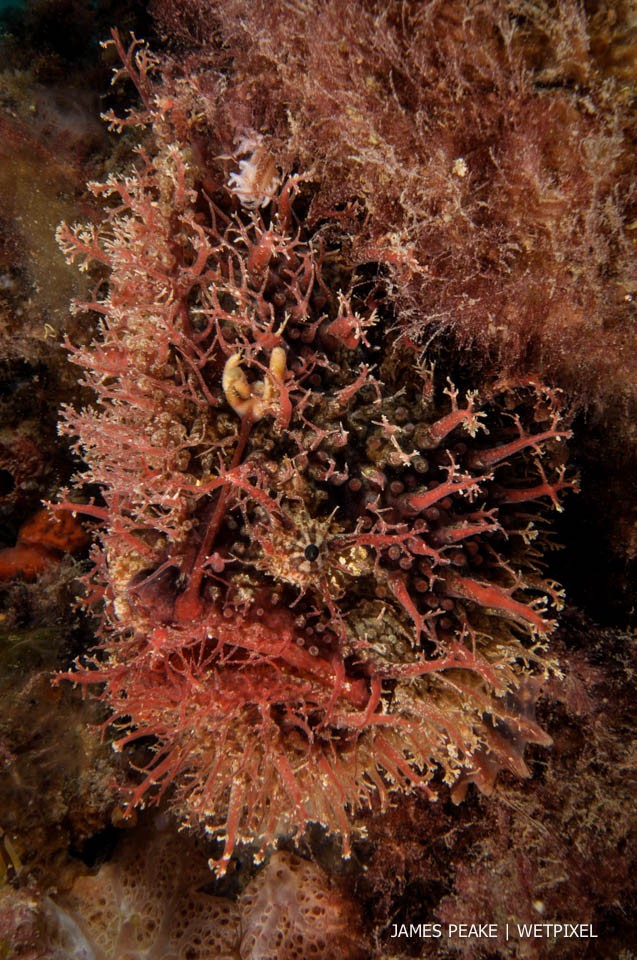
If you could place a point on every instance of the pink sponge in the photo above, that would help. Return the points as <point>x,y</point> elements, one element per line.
<point>148,903</point>
<point>289,911</point>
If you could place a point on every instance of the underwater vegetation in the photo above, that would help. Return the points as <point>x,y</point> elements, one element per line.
<point>354,318</point>
<point>485,149</point>
<point>321,568</point>
<point>535,848</point>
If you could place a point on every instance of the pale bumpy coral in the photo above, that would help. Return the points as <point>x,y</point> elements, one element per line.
<point>320,563</point>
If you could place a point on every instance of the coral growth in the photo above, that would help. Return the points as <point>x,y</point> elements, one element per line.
<point>321,567</point>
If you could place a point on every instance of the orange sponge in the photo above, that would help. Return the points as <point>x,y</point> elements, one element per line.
<point>42,540</point>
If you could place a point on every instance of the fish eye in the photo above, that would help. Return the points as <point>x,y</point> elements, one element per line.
<point>311,552</point>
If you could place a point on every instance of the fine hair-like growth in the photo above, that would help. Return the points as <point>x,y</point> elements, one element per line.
<point>487,146</point>
<point>320,562</point>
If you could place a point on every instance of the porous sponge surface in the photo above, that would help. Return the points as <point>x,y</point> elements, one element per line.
<point>290,912</point>
<point>148,904</point>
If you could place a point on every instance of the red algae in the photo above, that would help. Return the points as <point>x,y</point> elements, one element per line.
<point>485,147</point>
<point>321,566</point>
